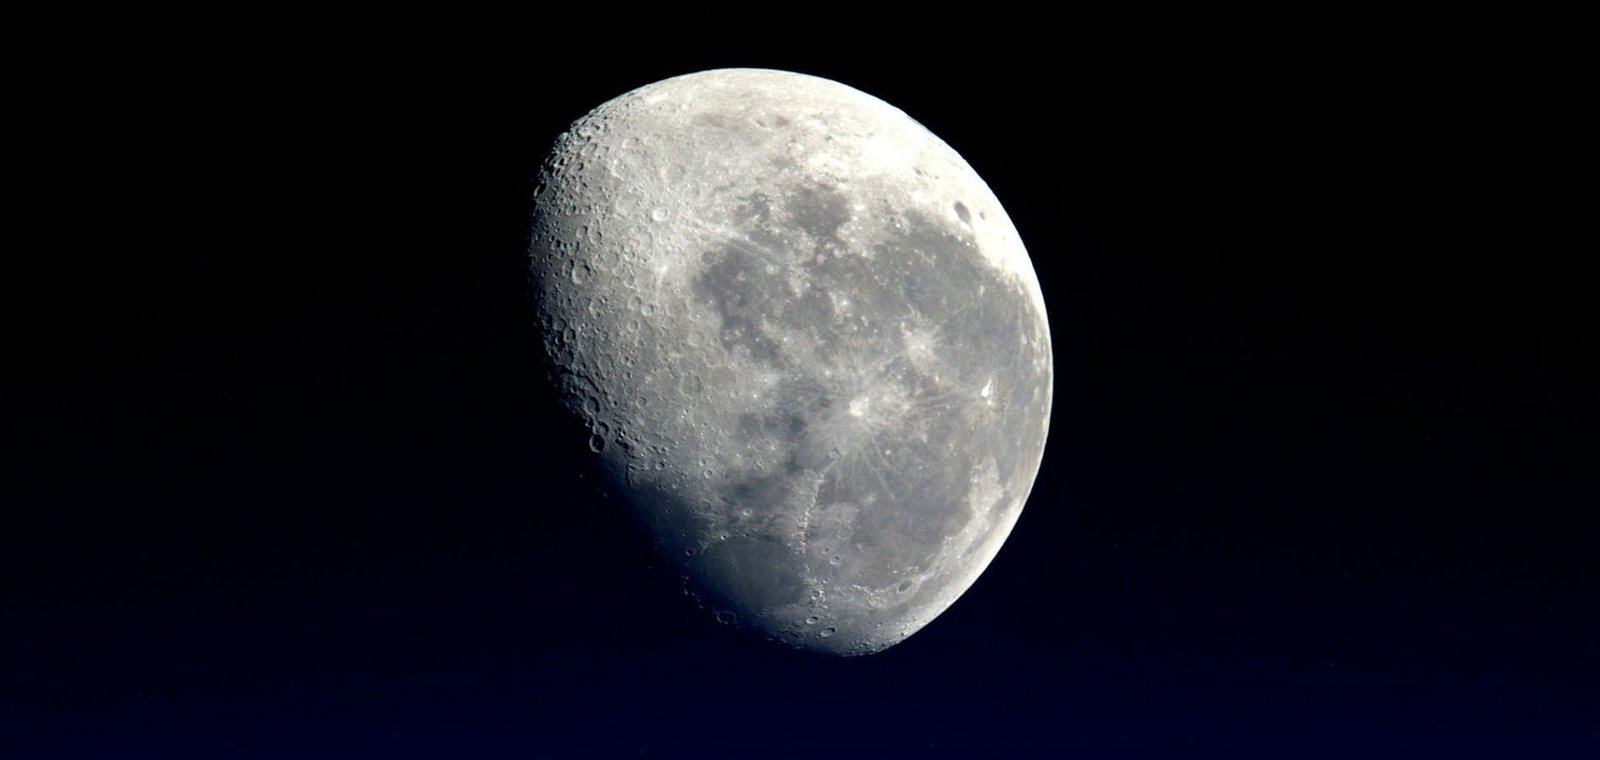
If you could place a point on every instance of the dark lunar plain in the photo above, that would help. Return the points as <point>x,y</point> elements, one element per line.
<point>281,478</point>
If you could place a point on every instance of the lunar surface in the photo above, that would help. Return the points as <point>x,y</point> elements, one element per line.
<point>807,343</point>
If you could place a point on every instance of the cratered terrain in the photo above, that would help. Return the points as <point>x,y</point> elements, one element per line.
<point>807,344</point>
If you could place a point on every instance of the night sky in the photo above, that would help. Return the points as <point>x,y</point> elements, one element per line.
<point>281,477</point>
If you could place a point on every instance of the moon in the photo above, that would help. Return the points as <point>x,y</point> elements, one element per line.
<point>807,344</point>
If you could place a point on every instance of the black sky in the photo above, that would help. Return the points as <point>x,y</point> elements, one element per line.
<point>282,481</point>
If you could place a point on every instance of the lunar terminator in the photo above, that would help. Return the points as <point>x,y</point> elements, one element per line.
<point>808,345</point>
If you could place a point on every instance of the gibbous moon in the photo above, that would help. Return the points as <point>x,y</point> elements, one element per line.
<point>807,343</point>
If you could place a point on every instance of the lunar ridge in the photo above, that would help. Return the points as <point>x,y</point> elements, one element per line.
<point>808,345</point>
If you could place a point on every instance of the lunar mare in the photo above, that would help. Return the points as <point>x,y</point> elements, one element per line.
<point>808,345</point>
